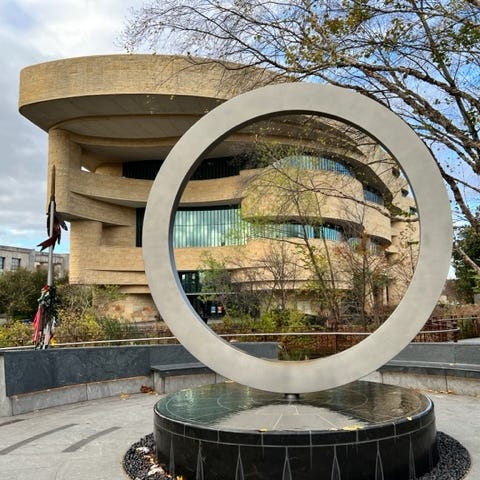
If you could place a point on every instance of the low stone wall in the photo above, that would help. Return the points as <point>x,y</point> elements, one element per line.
<point>453,354</point>
<point>440,367</point>
<point>31,380</point>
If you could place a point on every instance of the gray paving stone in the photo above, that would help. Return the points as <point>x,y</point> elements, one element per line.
<point>100,459</point>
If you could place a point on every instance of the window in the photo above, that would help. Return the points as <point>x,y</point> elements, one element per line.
<point>15,265</point>
<point>142,170</point>
<point>310,162</point>
<point>220,167</point>
<point>404,192</point>
<point>138,233</point>
<point>413,211</point>
<point>372,245</point>
<point>208,227</point>
<point>281,230</point>
<point>295,230</point>
<point>203,227</point>
<point>376,247</point>
<point>330,232</point>
<point>2,263</point>
<point>395,172</point>
<point>191,281</point>
<point>208,168</point>
<point>223,226</point>
<point>372,195</point>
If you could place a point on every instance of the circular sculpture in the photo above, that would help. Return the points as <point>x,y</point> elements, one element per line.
<point>398,139</point>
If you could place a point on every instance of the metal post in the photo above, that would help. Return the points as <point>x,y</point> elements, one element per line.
<point>51,218</point>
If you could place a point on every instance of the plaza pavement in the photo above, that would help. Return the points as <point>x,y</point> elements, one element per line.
<point>88,440</point>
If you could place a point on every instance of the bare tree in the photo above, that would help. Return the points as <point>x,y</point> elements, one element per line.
<point>420,58</point>
<point>368,271</point>
<point>222,283</point>
<point>315,179</point>
<point>280,263</point>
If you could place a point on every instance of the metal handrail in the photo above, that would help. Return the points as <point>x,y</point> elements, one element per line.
<point>223,335</point>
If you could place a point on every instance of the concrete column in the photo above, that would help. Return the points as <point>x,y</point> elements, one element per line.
<point>66,156</point>
<point>85,237</point>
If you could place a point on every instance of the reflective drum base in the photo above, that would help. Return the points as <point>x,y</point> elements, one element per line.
<point>359,431</point>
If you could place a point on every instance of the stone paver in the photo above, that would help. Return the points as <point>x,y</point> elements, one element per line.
<point>94,449</point>
<point>459,417</point>
<point>88,440</point>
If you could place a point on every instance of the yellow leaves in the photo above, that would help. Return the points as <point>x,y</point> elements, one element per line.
<point>146,389</point>
<point>352,428</point>
<point>334,25</point>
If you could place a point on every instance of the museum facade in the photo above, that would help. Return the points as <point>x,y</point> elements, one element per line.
<point>299,182</point>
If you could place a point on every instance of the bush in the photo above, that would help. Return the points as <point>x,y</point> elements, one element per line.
<point>19,291</point>
<point>469,327</point>
<point>114,329</point>
<point>77,329</point>
<point>15,334</point>
<point>79,314</point>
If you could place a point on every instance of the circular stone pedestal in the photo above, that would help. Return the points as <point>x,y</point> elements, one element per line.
<point>363,430</point>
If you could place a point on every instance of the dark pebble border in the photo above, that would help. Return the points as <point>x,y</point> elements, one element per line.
<point>140,462</point>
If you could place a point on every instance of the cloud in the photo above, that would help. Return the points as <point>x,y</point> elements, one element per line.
<point>36,31</point>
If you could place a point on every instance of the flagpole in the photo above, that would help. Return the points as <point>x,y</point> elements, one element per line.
<point>51,218</point>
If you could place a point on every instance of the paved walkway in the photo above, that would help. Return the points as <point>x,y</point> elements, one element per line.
<point>84,441</point>
<point>473,341</point>
<point>88,440</point>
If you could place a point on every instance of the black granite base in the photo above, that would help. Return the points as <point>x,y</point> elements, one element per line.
<point>359,431</point>
<point>140,461</point>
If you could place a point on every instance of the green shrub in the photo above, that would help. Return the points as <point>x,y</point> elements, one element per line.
<point>115,329</point>
<point>15,334</point>
<point>19,291</point>
<point>468,328</point>
<point>72,328</point>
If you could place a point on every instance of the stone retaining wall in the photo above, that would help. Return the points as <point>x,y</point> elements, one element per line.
<point>36,379</point>
<point>33,380</point>
<point>440,367</point>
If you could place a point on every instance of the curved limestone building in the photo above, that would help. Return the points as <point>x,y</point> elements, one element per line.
<point>111,121</point>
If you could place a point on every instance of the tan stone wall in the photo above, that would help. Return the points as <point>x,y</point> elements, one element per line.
<point>145,74</point>
<point>135,308</point>
<point>104,110</point>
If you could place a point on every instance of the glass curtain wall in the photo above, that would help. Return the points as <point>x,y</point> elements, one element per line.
<point>208,227</point>
<point>223,226</point>
<point>310,162</point>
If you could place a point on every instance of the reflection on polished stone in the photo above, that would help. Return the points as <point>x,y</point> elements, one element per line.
<point>230,404</point>
<point>361,431</point>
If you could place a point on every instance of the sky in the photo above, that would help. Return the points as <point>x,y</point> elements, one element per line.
<point>31,32</point>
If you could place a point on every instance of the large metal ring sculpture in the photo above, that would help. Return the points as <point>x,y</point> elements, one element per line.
<point>417,304</point>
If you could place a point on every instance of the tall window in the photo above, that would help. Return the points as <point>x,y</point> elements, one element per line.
<point>326,231</point>
<point>191,281</point>
<point>203,227</point>
<point>15,265</point>
<point>375,246</point>
<point>329,232</point>
<point>310,162</point>
<point>2,263</point>
<point>223,226</point>
<point>372,195</point>
<point>208,227</point>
